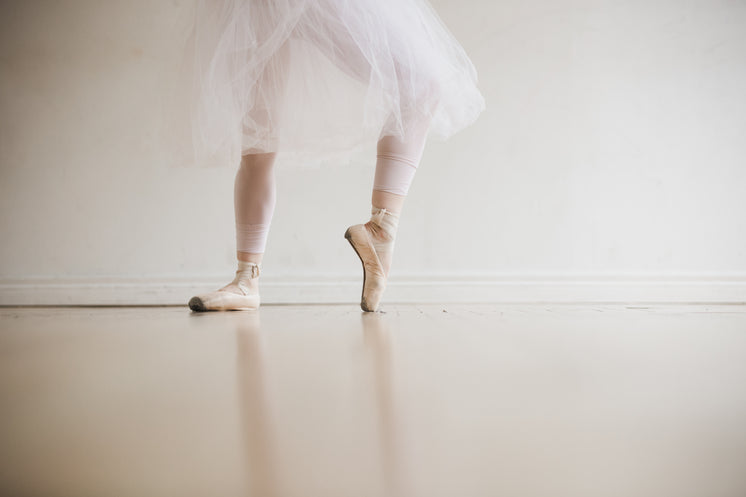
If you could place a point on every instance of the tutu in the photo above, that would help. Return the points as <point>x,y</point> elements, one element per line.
<point>317,78</point>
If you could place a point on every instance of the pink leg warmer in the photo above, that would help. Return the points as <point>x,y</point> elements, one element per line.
<point>254,201</point>
<point>397,159</point>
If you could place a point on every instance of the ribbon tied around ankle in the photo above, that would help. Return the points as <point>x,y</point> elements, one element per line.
<point>244,266</point>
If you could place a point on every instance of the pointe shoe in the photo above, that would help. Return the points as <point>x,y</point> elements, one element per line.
<point>226,300</point>
<point>368,250</point>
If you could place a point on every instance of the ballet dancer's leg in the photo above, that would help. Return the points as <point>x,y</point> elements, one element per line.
<point>254,192</point>
<point>417,95</point>
<point>254,202</point>
<point>396,163</point>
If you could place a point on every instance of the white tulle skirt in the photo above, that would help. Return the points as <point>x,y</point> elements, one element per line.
<point>314,78</point>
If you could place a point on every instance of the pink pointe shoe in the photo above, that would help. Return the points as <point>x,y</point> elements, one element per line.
<point>241,294</point>
<point>370,250</point>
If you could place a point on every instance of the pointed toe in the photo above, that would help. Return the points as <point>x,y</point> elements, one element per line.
<point>374,278</point>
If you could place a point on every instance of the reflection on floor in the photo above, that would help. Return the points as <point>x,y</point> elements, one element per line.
<point>489,400</point>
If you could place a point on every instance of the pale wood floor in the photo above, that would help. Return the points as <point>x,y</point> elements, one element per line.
<point>432,400</point>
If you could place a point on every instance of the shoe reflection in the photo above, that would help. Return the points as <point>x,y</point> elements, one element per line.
<point>266,465</point>
<point>254,405</point>
<point>378,341</point>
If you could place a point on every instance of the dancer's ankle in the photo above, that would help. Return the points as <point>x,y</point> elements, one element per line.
<point>385,222</point>
<point>249,257</point>
<point>246,280</point>
<point>382,229</point>
<point>392,202</point>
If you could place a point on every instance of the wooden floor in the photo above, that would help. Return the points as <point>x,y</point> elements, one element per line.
<point>432,400</point>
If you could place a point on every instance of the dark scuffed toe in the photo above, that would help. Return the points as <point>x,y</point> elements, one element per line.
<point>196,304</point>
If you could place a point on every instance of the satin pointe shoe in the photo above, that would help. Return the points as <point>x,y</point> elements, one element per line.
<point>368,249</point>
<point>228,298</point>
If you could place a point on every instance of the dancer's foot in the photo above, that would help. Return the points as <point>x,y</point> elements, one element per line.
<point>241,294</point>
<point>374,244</point>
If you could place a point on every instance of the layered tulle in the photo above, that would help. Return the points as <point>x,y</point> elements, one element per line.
<point>315,77</point>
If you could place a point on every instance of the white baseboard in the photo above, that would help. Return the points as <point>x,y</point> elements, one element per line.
<point>435,289</point>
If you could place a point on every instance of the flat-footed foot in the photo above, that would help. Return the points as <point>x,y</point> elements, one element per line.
<point>241,294</point>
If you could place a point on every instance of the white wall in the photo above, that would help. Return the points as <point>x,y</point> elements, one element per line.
<point>609,165</point>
